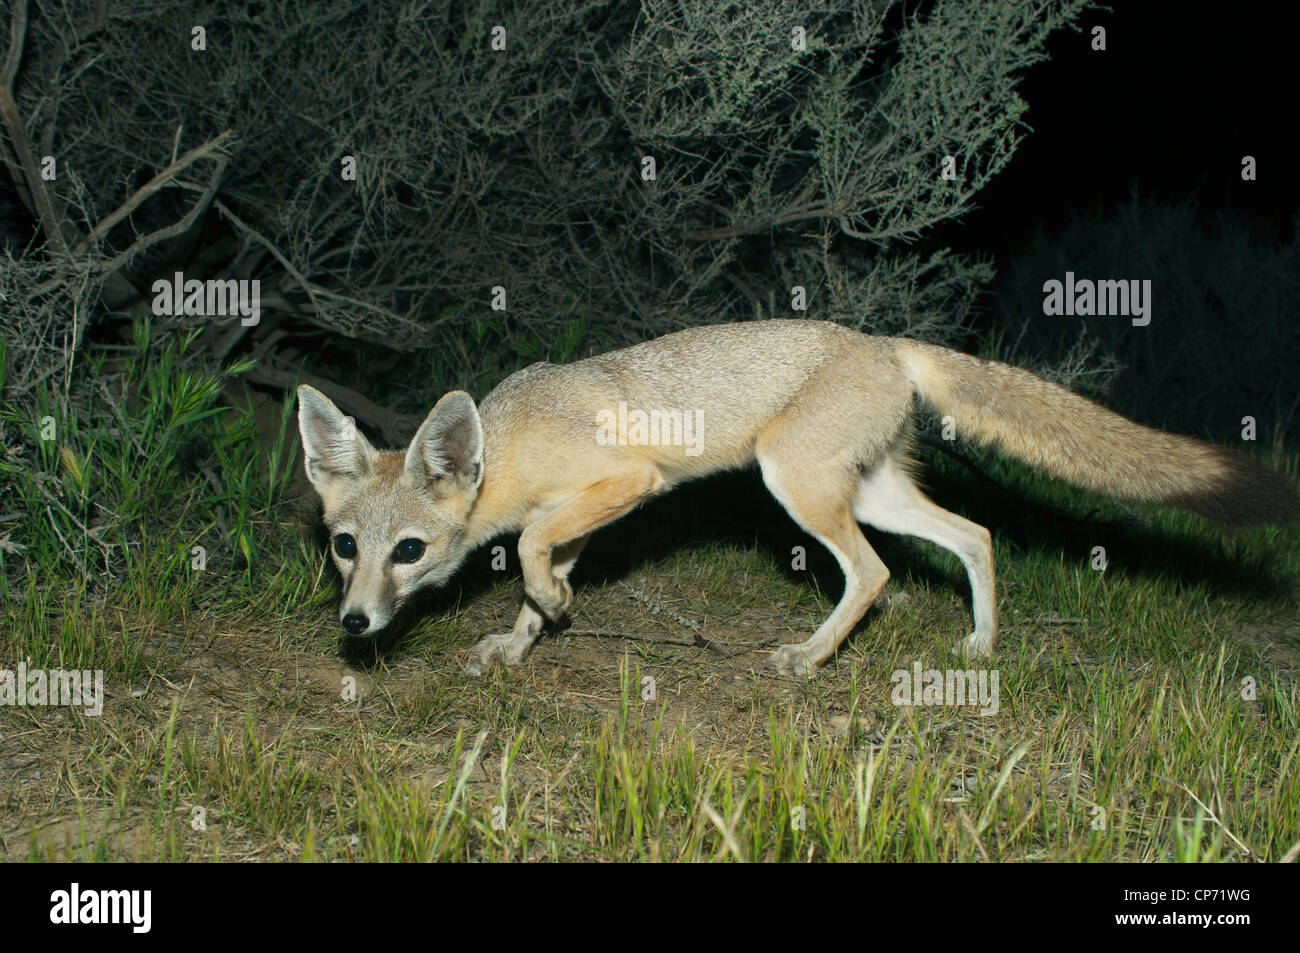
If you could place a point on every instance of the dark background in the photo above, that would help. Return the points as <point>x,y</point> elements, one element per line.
<point>1182,92</point>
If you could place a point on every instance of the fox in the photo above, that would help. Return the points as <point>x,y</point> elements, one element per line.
<point>828,414</point>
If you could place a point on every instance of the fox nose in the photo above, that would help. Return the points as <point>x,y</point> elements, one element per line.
<point>355,623</point>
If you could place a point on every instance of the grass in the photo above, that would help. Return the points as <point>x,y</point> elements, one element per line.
<point>1146,712</point>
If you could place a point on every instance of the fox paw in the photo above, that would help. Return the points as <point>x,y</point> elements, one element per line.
<point>974,646</point>
<point>791,660</point>
<point>505,647</point>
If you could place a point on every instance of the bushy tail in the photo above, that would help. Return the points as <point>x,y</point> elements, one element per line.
<point>1081,442</point>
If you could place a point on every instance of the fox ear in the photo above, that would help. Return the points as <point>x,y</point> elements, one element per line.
<point>449,443</point>
<point>331,443</point>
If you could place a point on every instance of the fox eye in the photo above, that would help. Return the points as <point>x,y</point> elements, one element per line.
<point>408,551</point>
<point>345,546</point>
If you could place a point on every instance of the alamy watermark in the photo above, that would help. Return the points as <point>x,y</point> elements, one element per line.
<point>76,905</point>
<point>948,687</point>
<point>1085,297</point>
<point>651,428</point>
<point>25,687</point>
<point>213,298</point>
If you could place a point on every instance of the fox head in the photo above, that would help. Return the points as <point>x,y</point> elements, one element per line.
<point>396,518</point>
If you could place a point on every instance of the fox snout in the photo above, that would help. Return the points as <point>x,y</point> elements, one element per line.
<point>370,593</point>
<point>365,612</point>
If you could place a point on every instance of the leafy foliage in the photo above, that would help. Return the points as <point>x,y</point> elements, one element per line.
<point>782,158</point>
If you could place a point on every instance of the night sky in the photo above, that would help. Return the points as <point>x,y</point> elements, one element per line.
<point>1183,91</point>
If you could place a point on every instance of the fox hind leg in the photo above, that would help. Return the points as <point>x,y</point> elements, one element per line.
<point>888,499</point>
<point>822,505</point>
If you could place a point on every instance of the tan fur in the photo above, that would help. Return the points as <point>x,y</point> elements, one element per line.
<point>824,411</point>
<point>1081,442</point>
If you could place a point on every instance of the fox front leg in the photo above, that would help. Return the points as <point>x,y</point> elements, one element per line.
<point>512,646</point>
<point>545,585</point>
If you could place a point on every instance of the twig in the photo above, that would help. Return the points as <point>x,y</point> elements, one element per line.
<point>13,120</point>
<point>634,636</point>
<point>162,180</point>
<point>169,231</point>
<point>17,34</point>
<point>121,418</point>
<point>75,558</point>
<point>395,428</point>
<point>797,214</point>
<point>17,37</point>
<point>265,242</point>
<point>655,607</point>
<point>91,534</point>
<point>698,641</point>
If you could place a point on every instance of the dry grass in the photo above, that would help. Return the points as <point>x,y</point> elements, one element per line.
<point>1121,734</point>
